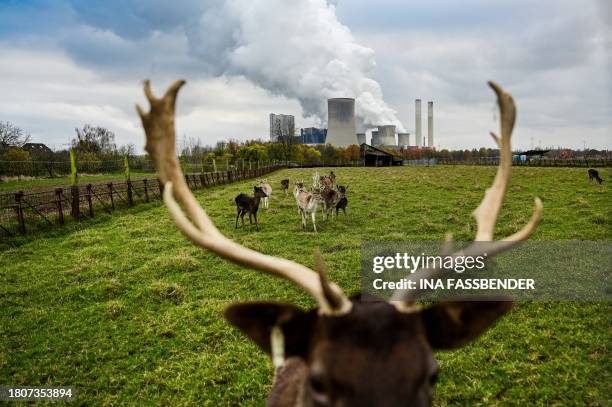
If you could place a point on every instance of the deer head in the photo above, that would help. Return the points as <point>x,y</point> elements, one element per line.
<point>342,352</point>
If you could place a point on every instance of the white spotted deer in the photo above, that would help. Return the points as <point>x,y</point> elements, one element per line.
<point>307,204</point>
<point>343,352</point>
<point>267,188</point>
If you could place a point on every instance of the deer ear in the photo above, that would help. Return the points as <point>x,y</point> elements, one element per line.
<point>256,320</point>
<point>453,324</point>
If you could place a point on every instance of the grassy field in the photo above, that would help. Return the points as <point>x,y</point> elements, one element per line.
<point>27,183</point>
<point>129,312</point>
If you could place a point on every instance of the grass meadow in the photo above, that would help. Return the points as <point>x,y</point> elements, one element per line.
<point>128,311</point>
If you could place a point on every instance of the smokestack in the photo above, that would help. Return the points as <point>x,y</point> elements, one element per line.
<point>374,140</point>
<point>430,140</point>
<point>403,139</point>
<point>361,138</point>
<point>386,135</point>
<point>341,122</point>
<point>417,122</point>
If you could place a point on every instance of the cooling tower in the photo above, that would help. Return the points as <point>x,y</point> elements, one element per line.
<point>361,138</point>
<point>341,122</point>
<point>374,141</point>
<point>430,140</point>
<point>403,139</point>
<point>417,122</point>
<point>386,135</point>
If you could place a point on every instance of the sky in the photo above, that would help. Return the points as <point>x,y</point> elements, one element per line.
<point>65,63</point>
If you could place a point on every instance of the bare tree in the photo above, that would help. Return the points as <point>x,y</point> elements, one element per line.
<point>12,135</point>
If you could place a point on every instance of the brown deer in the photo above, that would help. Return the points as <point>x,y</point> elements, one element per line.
<point>343,352</point>
<point>343,202</point>
<point>594,175</point>
<point>249,204</point>
<point>285,186</point>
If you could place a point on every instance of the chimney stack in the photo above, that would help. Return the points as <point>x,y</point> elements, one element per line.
<point>430,138</point>
<point>417,122</point>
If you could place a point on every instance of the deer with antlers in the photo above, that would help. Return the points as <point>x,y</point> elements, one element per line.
<point>342,352</point>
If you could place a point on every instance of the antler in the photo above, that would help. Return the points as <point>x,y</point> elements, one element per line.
<point>487,212</point>
<point>158,124</point>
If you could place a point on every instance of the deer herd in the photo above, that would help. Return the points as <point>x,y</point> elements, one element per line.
<point>324,193</point>
<point>343,352</point>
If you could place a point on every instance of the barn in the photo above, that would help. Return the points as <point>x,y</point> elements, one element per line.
<point>376,157</point>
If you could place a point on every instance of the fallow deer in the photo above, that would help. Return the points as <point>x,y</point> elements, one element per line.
<point>330,198</point>
<point>594,175</point>
<point>307,204</point>
<point>285,186</point>
<point>343,352</point>
<point>249,204</point>
<point>267,188</point>
<point>343,202</point>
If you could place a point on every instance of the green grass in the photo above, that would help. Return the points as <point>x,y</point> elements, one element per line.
<point>129,312</point>
<point>27,183</point>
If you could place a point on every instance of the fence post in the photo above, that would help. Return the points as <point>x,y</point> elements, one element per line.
<point>110,194</point>
<point>129,193</point>
<point>19,210</point>
<point>146,189</point>
<point>58,201</point>
<point>90,200</point>
<point>75,209</point>
<point>161,188</point>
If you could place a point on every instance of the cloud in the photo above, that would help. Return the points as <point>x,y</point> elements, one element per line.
<point>244,59</point>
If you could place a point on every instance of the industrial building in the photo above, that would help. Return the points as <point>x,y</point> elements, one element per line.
<point>313,135</point>
<point>341,130</point>
<point>341,122</point>
<point>361,138</point>
<point>386,135</point>
<point>281,125</point>
<point>374,141</point>
<point>417,123</point>
<point>403,139</point>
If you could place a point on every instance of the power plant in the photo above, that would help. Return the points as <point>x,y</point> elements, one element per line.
<point>403,139</point>
<point>361,138</point>
<point>386,135</point>
<point>430,140</point>
<point>341,131</point>
<point>417,122</point>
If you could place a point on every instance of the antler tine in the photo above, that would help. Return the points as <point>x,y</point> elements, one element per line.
<point>487,213</point>
<point>158,124</point>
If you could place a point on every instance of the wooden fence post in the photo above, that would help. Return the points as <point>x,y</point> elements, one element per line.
<point>75,206</point>
<point>129,193</point>
<point>58,201</point>
<point>110,194</point>
<point>146,189</point>
<point>90,200</point>
<point>161,188</point>
<point>19,210</point>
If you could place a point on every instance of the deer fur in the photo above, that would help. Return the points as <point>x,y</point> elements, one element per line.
<point>267,188</point>
<point>594,175</point>
<point>247,204</point>
<point>307,204</point>
<point>285,186</point>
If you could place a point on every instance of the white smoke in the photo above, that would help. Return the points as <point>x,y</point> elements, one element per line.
<point>298,49</point>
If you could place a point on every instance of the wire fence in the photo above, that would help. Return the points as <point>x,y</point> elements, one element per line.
<point>24,212</point>
<point>544,162</point>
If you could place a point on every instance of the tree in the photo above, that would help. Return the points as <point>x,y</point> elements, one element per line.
<point>12,136</point>
<point>352,153</point>
<point>20,162</point>
<point>97,140</point>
